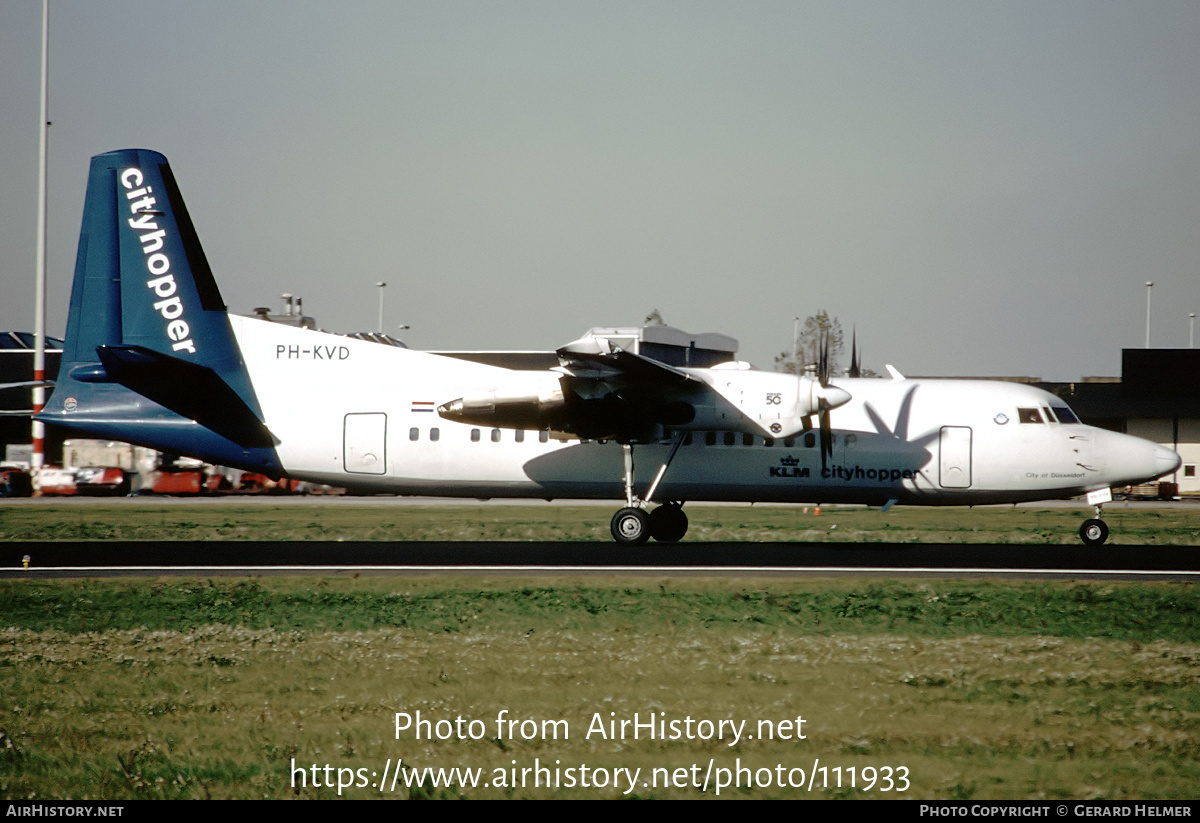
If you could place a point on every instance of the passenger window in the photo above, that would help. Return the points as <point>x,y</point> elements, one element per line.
<point>788,442</point>
<point>519,435</point>
<point>543,436</point>
<point>768,442</point>
<point>710,438</point>
<point>434,434</point>
<point>747,440</point>
<point>414,434</point>
<point>687,439</point>
<point>810,440</point>
<point>495,435</point>
<point>1029,415</point>
<point>729,439</point>
<point>474,435</point>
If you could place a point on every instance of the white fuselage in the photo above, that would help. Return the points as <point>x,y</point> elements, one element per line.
<point>363,415</point>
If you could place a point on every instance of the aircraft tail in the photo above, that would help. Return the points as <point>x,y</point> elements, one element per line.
<point>149,355</point>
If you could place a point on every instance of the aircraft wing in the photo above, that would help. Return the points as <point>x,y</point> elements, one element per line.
<point>600,391</point>
<point>619,368</point>
<point>613,393</point>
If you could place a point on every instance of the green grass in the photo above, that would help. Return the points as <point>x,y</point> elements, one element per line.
<point>337,519</point>
<point>197,688</point>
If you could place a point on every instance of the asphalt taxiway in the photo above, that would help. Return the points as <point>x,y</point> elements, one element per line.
<point>200,558</point>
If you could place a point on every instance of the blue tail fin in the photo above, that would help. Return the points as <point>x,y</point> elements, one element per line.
<point>149,355</point>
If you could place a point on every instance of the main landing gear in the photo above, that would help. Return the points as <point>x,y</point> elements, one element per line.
<point>634,525</point>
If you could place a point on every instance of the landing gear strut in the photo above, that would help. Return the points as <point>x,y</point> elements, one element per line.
<point>1094,531</point>
<point>634,525</point>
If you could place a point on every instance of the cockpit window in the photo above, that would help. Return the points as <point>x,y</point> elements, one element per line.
<point>1065,415</point>
<point>1029,415</point>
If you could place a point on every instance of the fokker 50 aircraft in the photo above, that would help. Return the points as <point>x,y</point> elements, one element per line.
<point>152,357</point>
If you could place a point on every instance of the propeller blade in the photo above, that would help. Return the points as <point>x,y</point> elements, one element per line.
<point>826,438</point>
<point>854,371</point>
<point>823,361</point>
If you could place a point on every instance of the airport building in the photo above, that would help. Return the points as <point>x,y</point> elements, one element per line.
<point>1157,398</point>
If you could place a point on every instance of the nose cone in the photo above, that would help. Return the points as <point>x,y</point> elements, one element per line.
<point>1168,461</point>
<point>1129,460</point>
<point>831,397</point>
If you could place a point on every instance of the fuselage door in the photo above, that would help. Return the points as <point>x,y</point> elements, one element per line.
<point>955,466</point>
<point>365,443</point>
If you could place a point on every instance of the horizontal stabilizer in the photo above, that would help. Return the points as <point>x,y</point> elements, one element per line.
<point>188,389</point>
<point>26,384</point>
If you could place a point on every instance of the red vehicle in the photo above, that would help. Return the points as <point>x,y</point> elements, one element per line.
<point>107,481</point>
<point>188,481</point>
<point>56,480</point>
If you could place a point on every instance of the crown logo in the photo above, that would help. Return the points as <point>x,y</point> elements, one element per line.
<point>789,461</point>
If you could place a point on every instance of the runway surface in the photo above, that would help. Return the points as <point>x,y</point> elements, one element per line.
<point>198,558</point>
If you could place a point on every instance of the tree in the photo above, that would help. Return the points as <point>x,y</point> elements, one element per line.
<point>808,343</point>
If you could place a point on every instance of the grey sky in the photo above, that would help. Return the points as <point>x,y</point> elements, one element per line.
<point>980,188</point>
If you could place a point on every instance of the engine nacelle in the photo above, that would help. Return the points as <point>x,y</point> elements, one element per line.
<point>767,403</point>
<point>533,403</point>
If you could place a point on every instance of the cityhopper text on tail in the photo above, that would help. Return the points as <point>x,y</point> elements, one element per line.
<point>153,357</point>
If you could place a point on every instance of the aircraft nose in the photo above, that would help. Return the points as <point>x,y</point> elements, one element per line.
<point>1167,460</point>
<point>1131,460</point>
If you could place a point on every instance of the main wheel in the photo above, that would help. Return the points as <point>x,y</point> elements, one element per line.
<point>631,527</point>
<point>1093,532</point>
<point>668,523</point>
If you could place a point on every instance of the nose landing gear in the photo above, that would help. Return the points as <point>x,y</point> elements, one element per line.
<point>1094,531</point>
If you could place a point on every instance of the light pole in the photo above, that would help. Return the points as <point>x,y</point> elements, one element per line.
<point>38,432</point>
<point>1192,330</point>
<point>381,286</point>
<point>1149,289</point>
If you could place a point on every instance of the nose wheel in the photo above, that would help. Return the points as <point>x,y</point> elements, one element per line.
<point>1093,532</point>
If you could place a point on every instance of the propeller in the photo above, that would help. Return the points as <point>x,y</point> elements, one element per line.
<point>828,397</point>
<point>823,403</point>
